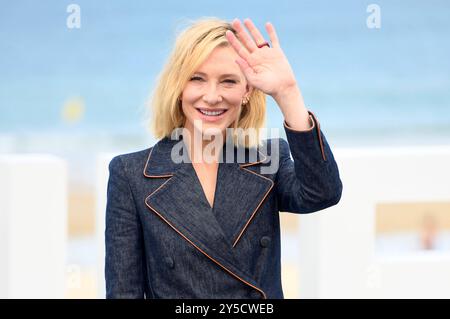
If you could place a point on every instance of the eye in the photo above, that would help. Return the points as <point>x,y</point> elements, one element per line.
<point>196,78</point>
<point>230,81</point>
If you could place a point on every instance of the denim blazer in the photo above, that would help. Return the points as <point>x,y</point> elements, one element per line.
<point>163,239</point>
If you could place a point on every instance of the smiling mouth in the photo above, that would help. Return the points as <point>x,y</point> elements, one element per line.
<point>211,113</point>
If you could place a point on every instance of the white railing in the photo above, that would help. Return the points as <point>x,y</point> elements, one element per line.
<point>33,223</point>
<point>336,248</point>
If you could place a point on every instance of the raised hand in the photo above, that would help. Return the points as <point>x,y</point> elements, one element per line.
<point>265,68</point>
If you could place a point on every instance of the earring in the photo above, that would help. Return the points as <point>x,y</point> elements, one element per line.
<point>245,100</point>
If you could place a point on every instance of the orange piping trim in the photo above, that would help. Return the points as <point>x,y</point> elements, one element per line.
<point>319,135</point>
<point>199,249</point>
<point>246,225</point>
<point>170,175</point>
<point>256,209</point>
<point>145,168</point>
<point>254,163</point>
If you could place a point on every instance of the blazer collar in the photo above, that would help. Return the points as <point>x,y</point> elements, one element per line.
<point>180,202</point>
<point>160,164</point>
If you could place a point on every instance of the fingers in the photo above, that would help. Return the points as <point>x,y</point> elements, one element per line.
<point>246,69</point>
<point>237,45</point>
<point>258,38</point>
<point>243,36</point>
<point>245,45</point>
<point>254,31</point>
<point>272,34</point>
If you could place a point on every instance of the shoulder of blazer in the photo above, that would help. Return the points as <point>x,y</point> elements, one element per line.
<point>133,162</point>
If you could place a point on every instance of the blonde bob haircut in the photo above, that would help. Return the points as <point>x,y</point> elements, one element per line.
<point>192,47</point>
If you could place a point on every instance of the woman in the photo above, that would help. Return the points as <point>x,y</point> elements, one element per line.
<point>183,223</point>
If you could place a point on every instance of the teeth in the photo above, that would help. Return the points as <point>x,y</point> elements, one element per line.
<point>212,113</point>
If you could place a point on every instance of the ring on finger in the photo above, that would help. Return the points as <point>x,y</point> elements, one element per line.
<point>265,43</point>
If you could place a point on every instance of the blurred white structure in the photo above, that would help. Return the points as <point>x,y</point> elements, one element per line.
<point>33,226</point>
<point>337,247</point>
<point>337,257</point>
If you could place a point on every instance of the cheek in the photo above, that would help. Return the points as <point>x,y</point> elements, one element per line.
<point>233,111</point>
<point>189,98</point>
<point>234,96</point>
<point>190,95</point>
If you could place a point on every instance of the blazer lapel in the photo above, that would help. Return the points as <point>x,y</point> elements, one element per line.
<point>181,202</point>
<point>240,191</point>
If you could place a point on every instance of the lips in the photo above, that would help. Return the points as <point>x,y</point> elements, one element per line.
<point>211,112</point>
<point>211,115</point>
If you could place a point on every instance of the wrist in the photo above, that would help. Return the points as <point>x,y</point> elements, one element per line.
<point>290,100</point>
<point>289,93</point>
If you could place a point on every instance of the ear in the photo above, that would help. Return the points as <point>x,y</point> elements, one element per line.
<point>248,89</point>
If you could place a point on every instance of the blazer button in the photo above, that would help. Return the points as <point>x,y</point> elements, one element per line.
<point>169,262</point>
<point>264,241</point>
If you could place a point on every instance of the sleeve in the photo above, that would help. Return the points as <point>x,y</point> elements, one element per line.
<point>310,182</point>
<point>124,261</point>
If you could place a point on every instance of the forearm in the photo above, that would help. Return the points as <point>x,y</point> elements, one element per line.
<point>291,104</point>
<point>311,181</point>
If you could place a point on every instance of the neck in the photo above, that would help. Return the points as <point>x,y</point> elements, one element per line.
<point>202,148</point>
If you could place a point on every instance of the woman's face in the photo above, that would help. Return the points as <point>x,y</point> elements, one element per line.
<point>212,97</point>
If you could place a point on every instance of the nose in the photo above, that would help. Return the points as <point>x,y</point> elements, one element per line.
<point>211,95</point>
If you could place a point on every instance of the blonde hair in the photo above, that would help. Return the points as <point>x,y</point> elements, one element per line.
<point>192,48</point>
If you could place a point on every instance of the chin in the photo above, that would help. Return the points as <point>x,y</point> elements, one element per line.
<point>210,128</point>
